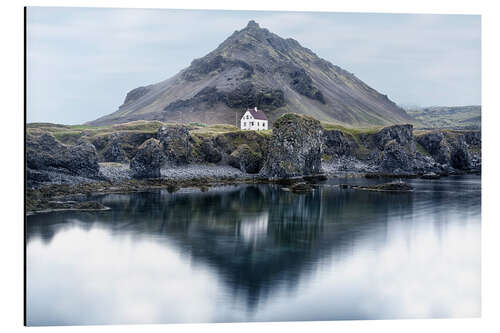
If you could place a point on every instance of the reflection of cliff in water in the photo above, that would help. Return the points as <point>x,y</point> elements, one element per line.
<point>257,237</point>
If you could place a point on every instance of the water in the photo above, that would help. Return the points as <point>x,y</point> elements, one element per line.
<point>257,253</point>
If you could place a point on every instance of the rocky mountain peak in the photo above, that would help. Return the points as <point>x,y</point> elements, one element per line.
<point>252,24</point>
<point>255,67</point>
<point>260,41</point>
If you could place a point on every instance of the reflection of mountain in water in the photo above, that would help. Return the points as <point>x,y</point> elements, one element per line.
<point>256,237</point>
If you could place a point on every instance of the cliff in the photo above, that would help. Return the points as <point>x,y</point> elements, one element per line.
<point>297,146</point>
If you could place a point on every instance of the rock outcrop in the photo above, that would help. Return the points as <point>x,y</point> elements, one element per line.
<point>148,160</point>
<point>114,151</point>
<point>337,143</point>
<point>435,144</point>
<point>400,134</point>
<point>45,154</point>
<point>393,150</point>
<point>397,148</point>
<point>458,150</point>
<point>208,152</point>
<point>176,144</point>
<point>246,160</point>
<point>295,148</point>
<point>247,147</point>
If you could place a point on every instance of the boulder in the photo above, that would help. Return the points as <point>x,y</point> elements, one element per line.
<point>148,160</point>
<point>301,188</point>
<point>295,148</point>
<point>430,175</point>
<point>396,186</point>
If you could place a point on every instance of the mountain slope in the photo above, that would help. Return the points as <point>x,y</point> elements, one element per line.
<point>254,67</point>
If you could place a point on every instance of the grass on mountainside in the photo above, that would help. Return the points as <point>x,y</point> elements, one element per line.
<point>351,130</point>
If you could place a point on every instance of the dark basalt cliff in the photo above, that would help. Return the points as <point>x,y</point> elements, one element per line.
<point>254,67</point>
<point>45,156</point>
<point>298,146</point>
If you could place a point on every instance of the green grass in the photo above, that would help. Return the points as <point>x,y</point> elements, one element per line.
<point>421,149</point>
<point>69,134</point>
<point>140,125</point>
<point>212,130</point>
<point>198,124</point>
<point>83,127</point>
<point>70,137</point>
<point>326,157</point>
<point>351,130</point>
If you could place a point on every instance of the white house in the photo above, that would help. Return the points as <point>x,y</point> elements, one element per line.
<point>254,120</point>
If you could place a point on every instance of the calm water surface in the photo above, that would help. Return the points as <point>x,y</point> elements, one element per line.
<point>257,253</point>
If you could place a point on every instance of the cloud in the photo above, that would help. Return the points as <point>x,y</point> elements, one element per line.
<point>406,56</point>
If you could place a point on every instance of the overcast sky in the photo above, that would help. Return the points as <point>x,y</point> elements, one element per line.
<point>83,61</point>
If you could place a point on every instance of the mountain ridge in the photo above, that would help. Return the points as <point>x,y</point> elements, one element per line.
<point>255,67</point>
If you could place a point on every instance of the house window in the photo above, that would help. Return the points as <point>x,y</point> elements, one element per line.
<point>252,123</point>
<point>244,124</point>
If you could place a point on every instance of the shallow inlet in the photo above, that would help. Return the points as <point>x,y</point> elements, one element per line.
<point>257,253</point>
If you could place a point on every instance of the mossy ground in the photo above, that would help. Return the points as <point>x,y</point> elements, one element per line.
<point>354,131</point>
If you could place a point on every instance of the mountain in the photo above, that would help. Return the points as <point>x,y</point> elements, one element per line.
<point>254,67</point>
<point>450,117</point>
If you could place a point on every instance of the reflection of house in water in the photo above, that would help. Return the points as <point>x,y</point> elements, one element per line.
<point>253,228</point>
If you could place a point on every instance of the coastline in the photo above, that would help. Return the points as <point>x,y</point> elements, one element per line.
<point>53,197</point>
<point>65,168</point>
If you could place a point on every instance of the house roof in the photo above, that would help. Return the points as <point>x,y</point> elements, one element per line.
<point>257,114</point>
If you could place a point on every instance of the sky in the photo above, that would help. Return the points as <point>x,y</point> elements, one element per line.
<point>81,62</point>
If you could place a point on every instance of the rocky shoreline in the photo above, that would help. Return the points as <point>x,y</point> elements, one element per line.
<point>76,196</point>
<point>300,149</point>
